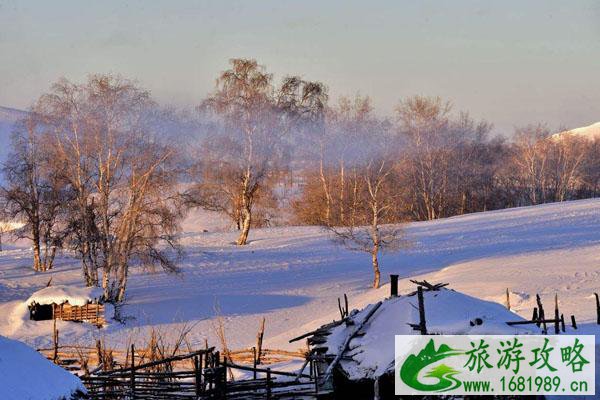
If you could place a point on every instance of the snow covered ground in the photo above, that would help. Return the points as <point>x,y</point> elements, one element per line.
<point>26,374</point>
<point>293,275</point>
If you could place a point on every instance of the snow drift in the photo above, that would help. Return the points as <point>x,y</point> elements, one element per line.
<point>26,375</point>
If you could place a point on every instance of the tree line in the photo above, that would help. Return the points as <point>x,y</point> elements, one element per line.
<point>94,168</point>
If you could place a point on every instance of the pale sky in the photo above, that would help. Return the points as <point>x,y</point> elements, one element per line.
<point>510,62</point>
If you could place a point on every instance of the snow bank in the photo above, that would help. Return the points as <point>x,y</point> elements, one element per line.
<point>26,375</point>
<point>447,312</point>
<point>76,296</point>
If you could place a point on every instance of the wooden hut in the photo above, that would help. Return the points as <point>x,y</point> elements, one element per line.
<point>68,303</point>
<point>354,357</point>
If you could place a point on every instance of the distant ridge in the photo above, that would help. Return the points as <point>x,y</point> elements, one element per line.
<point>590,132</point>
<point>11,115</point>
<point>8,118</point>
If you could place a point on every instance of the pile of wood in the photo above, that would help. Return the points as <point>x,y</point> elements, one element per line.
<point>427,287</point>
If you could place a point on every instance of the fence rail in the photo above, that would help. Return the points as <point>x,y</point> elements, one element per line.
<point>205,378</point>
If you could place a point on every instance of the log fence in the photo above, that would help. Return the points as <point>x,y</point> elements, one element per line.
<point>207,379</point>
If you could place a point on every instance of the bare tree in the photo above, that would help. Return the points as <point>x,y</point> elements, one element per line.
<point>425,122</point>
<point>368,227</point>
<point>530,161</point>
<point>126,209</point>
<point>243,155</point>
<point>443,153</point>
<point>567,158</point>
<point>34,193</point>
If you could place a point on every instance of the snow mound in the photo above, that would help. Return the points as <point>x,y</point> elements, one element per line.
<point>26,375</point>
<point>371,353</point>
<point>76,296</point>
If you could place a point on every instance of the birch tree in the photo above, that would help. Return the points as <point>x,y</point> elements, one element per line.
<point>34,193</point>
<point>530,161</point>
<point>126,208</point>
<point>368,227</point>
<point>244,153</point>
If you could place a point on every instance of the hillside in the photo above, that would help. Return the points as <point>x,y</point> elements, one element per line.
<point>294,275</point>
<point>590,132</point>
<point>8,118</point>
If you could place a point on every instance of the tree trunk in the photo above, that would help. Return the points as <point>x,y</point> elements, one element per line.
<point>123,272</point>
<point>342,194</point>
<point>376,272</point>
<point>325,191</point>
<point>37,264</point>
<point>247,219</point>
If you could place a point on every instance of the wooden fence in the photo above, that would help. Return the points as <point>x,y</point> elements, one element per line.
<point>71,357</point>
<point>91,312</point>
<point>205,378</point>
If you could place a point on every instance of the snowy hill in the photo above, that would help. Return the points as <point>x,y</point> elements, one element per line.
<point>293,275</point>
<point>8,118</point>
<point>590,132</point>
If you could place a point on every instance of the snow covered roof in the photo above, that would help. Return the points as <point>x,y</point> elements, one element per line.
<point>26,374</point>
<point>370,353</point>
<point>76,296</point>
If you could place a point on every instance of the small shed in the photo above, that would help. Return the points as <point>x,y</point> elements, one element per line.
<point>68,303</point>
<point>354,357</point>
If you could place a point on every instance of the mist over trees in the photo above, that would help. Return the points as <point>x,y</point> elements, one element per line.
<point>100,170</point>
<point>92,170</point>
<point>243,156</point>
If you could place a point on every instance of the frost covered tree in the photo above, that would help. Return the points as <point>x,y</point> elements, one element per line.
<point>530,161</point>
<point>34,192</point>
<point>245,151</point>
<point>370,222</point>
<point>126,209</point>
<point>369,226</point>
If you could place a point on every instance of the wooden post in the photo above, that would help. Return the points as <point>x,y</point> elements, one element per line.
<point>216,362</point>
<point>259,340</point>
<point>197,376</point>
<point>203,381</point>
<point>99,353</point>
<point>254,362</point>
<point>535,316</point>
<point>597,309</point>
<point>268,383</point>
<point>393,285</point>
<point>562,322</point>
<point>132,372</point>
<point>541,313</point>
<point>573,322</point>
<point>422,322</point>
<point>55,342</point>
<point>346,303</point>
<point>507,299</point>
<point>224,378</point>
<point>556,315</point>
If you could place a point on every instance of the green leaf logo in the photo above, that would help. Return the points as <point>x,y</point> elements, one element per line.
<point>414,364</point>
